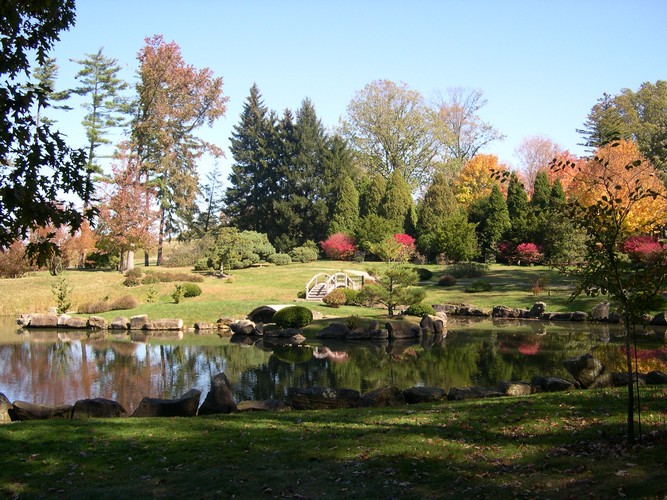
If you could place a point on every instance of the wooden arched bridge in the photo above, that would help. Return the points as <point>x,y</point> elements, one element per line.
<point>321,284</point>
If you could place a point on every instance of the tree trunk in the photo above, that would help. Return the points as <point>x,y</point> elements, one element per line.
<point>146,262</point>
<point>631,394</point>
<point>160,239</point>
<point>121,264</point>
<point>130,260</point>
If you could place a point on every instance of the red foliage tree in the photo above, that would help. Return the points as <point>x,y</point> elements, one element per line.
<point>644,248</point>
<point>528,253</point>
<point>339,246</point>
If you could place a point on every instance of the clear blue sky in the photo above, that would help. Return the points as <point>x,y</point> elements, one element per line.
<point>541,64</point>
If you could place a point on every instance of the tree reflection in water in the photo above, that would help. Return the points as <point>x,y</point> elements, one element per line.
<point>60,367</point>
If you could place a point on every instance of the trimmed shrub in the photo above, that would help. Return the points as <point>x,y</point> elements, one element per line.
<point>424,274</point>
<point>467,270</point>
<point>335,298</point>
<point>339,246</point>
<point>100,260</point>
<point>97,307</point>
<point>132,281</point>
<point>351,296</point>
<point>419,310</point>
<point>150,279</point>
<point>478,286</point>
<point>293,317</point>
<point>447,280</point>
<point>165,277</point>
<point>124,302</point>
<point>134,273</point>
<point>279,259</point>
<point>303,254</point>
<point>190,290</point>
<point>528,253</point>
<point>203,264</point>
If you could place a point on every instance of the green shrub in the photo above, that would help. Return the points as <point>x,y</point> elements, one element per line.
<point>351,296</point>
<point>150,279</point>
<point>279,259</point>
<point>96,307</point>
<point>447,280</point>
<point>131,281</point>
<point>419,310</point>
<point>165,277</point>
<point>99,260</point>
<point>467,270</point>
<point>124,302</point>
<point>353,322</point>
<point>301,294</point>
<point>478,286</point>
<point>151,294</point>
<point>424,274</point>
<point>178,294</point>
<point>134,273</point>
<point>303,254</point>
<point>335,298</point>
<point>190,289</point>
<point>293,317</point>
<point>203,264</point>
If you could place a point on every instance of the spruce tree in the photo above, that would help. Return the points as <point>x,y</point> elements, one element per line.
<point>557,198</point>
<point>518,210</point>
<point>493,221</point>
<point>541,192</point>
<point>438,202</point>
<point>346,211</point>
<point>396,202</point>
<point>371,195</point>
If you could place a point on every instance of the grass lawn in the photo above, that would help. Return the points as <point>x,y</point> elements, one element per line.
<point>249,288</point>
<point>558,445</point>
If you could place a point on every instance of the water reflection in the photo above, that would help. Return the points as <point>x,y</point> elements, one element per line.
<point>55,367</point>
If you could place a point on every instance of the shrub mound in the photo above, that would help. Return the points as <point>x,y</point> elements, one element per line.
<point>124,302</point>
<point>419,310</point>
<point>97,307</point>
<point>190,289</point>
<point>279,259</point>
<point>478,286</point>
<point>467,270</point>
<point>293,317</point>
<point>447,280</point>
<point>424,274</point>
<point>335,298</point>
<point>303,254</point>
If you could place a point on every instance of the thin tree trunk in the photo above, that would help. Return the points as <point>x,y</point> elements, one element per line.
<point>160,239</point>
<point>146,261</point>
<point>130,260</point>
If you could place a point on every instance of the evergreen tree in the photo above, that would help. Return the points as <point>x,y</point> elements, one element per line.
<point>438,202</point>
<point>371,195</point>
<point>345,216</point>
<point>518,210</point>
<point>557,198</point>
<point>456,238</point>
<point>106,107</point>
<point>46,75</point>
<point>253,180</point>
<point>541,192</point>
<point>396,202</point>
<point>604,124</point>
<point>338,165</point>
<point>493,221</point>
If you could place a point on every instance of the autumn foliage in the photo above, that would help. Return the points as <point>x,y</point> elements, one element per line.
<point>476,179</point>
<point>645,248</point>
<point>339,246</point>
<point>528,253</point>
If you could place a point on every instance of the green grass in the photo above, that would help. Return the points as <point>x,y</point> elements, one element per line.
<point>249,288</point>
<point>565,445</point>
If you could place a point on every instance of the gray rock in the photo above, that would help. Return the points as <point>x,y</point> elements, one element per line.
<point>320,398</point>
<point>98,408</point>
<point>382,334</point>
<point>402,330</point>
<point>384,396</point>
<point>452,309</point>
<point>266,405</point>
<point>433,324</point>
<point>204,327</point>
<point>471,310</point>
<point>219,398</point>
<point>138,322</point>
<point>282,333</point>
<point>163,324</point>
<point>515,388</point>
<point>359,335</point>
<point>39,320</point>
<point>537,310</point>
<point>656,378</point>
<point>5,405</point>
<point>551,384</point>
<point>243,326</point>
<point>659,319</point>
<point>23,320</point>
<point>120,323</point>
<point>621,379</point>
<point>461,394</point>
<point>97,323</point>
<point>600,312</point>
<point>505,312</point>
<point>22,410</point>
<point>588,371</point>
<point>415,395</point>
<point>334,331</point>
<point>185,406</point>
<point>579,316</point>
<point>74,322</point>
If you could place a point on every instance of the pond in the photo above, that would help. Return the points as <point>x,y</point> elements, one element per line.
<point>60,367</point>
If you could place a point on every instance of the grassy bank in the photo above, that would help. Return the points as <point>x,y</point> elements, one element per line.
<point>547,445</point>
<point>249,288</point>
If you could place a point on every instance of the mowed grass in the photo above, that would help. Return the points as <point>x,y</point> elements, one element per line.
<point>252,287</point>
<point>565,445</point>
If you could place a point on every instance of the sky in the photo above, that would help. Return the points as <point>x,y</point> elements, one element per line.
<point>542,64</point>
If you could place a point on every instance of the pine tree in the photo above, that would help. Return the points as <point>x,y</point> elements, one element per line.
<point>371,195</point>
<point>253,182</point>
<point>541,192</point>
<point>604,124</point>
<point>557,198</point>
<point>46,75</point>
<point>518,210</point>
<point>396,202</point>
<point>106,108</point>
<point>346,211</point>
<point>438,203</point>
<point>493,220</point>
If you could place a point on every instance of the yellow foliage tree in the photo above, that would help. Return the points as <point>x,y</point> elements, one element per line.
<point>607,175</point>
<point>476,180</point>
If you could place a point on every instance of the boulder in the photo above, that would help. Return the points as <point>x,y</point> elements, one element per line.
<point>23,320</point>
<point>185,406</point>
<point>74,322</point>
<point>601,312</point>
<point>282,333</point>
<point>384,396</point>
<point>219,398</point>
<point>588,371</point>
<point>97,323</point>
<point>579,316</point>
<point>433,324</point>
<point>537,310</point>
<point>505,312</point>
<point>259,329</point>
<point>165,324</point>
<point>550,384</point>
<point>22,410</point>
<point>402,330</point>
<point>447,309</point>
<point>39,320</point>
<point>138,322</point>
<point>415,395</point>
<point>120,323</point>
<point>204,327</point>
<point>243,326</point>
<point>656,378</point>
<point>359,335</point>
<point>262,314</point>
<point>461,394</point>
<point>98,408</point>
<point>659,319</point>
<point>620,379</point>
<point>515,388</point>
<point>382,334</point>
<point>320,398</point>
<point>334,331</point>
<point>470,310</point>
<point>5,405</point>
<point>266,405</point>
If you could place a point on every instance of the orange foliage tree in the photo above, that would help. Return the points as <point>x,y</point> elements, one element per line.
<point>607,175</point>
<point>476,180</point>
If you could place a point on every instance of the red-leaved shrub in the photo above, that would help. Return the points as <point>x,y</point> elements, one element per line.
<point>644,248</point>
<point>528,253</point>
<point>407,243</point>
<point>339,246</point>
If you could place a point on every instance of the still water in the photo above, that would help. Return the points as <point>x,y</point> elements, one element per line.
<point>59,367</point>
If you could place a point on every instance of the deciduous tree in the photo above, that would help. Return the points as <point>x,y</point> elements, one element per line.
<point>536,153</point>
<point>476,180</point>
